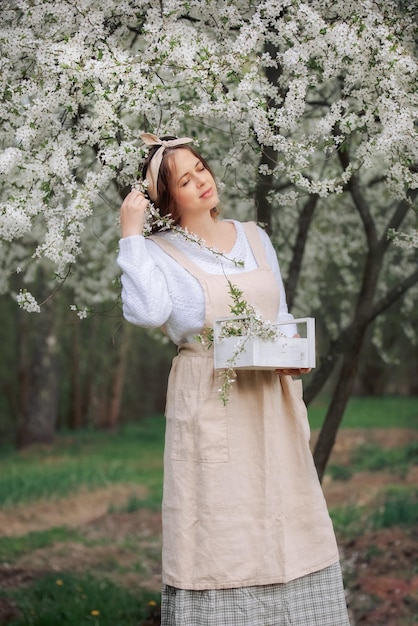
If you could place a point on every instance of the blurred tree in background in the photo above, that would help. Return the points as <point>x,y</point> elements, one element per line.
<point>308,112</point>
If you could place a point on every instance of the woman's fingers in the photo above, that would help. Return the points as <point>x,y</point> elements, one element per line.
<point>132,213</point>
<point>293,371</point>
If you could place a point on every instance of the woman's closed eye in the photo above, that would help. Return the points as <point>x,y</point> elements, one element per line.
<point>199,168</point>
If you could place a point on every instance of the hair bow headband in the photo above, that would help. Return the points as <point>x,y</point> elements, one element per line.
<point>155,163</point>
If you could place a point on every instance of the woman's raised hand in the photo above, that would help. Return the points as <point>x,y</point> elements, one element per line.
<point>132,213</point>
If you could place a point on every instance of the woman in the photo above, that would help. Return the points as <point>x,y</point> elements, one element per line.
<point>247,539</point>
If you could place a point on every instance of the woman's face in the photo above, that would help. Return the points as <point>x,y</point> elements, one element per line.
<point>192,185</point>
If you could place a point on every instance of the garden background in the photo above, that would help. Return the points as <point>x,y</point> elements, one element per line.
<point>308,114</point>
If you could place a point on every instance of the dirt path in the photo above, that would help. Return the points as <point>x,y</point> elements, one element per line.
<point>83,507</point>
<point>74,510</point>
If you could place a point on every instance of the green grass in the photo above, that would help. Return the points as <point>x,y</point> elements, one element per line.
<point>91,459</point>
<point>70,600</point>
<point>395,506</point>
<point>86,460</point>
<point>134,455</point>
<point>370,412</point>
<point>348,520</point>
<point>398,507</point>
<point>12,548</point>
<point>371,457</point>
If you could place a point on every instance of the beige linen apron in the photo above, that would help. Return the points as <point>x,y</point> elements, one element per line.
<point>242,503</point>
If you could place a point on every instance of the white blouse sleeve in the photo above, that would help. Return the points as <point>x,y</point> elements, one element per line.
<point>145,296</point>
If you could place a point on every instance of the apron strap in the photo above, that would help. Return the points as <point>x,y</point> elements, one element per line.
<point>254,239</point>
<point>251,232</point>
<point>178,256</point>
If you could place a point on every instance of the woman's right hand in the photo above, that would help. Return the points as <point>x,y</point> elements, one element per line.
<point>132,213</point>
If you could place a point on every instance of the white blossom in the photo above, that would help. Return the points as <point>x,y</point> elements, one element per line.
<point>27,302</point>
<point>80,81</point>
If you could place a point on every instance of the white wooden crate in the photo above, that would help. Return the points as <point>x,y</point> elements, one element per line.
<point>255,353</point>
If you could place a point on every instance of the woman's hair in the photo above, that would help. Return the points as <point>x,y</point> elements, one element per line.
<point>165,201</point>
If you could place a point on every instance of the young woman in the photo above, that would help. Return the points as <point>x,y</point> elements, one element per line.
<point>247,539</point>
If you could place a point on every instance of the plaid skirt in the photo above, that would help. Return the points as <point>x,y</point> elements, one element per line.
<point>317,599</point>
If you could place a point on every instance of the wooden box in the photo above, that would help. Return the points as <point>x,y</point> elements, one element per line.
<point>237,345</point>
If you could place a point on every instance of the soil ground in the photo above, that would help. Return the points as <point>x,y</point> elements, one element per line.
<point>380,567</point>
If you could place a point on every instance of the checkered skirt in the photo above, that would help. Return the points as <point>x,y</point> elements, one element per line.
<point>314,600</point>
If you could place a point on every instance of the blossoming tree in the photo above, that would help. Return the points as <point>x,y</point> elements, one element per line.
<point>308,110</point>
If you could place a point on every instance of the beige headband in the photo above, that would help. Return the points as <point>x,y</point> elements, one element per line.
<point>155,163</point>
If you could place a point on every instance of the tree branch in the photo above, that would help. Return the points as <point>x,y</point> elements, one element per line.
<point>363,209</point>
<point>304,223</point>
<point>397,218</point>
<point>393,295</point>
<point>337,347</point>
<point>359,200</point>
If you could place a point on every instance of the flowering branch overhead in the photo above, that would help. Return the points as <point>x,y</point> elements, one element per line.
<point>80,82</point>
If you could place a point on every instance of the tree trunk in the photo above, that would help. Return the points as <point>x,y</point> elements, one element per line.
<point>268,156</point>
<point>24,365</point>
<point>347,375</point>
<point>366,310</point>
<point>304,224</point>
<point>90,393</point>
<point>76,398</point>
<point>338,404</point>
<point>40,380</point>
<point>118,377</point>
<point>354,343</point>
<point>264,186</point>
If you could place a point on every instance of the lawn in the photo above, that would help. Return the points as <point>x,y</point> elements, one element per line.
<point>104,569</point>
<point>371,412</point>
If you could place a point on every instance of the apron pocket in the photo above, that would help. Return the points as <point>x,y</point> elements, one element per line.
<point>200,427</point>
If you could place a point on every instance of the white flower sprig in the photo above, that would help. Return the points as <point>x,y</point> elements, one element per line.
<point>74,88</point>
<point>153,219</point>
<point>245,324</point>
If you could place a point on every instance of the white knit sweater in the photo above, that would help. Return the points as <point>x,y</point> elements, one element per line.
<point>157,291</point>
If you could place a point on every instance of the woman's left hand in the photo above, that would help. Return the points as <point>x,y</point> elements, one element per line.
<point>293,372</point>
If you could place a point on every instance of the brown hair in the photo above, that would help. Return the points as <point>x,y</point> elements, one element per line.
<point>165,201</point>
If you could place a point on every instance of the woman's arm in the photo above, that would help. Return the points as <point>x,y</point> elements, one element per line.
<point>145,296</point>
